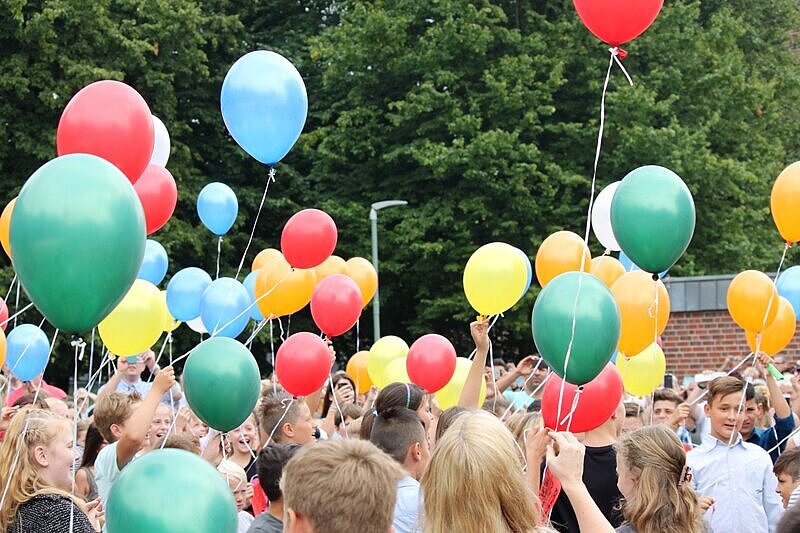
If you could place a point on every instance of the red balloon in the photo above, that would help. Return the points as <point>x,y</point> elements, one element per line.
<point>303,363</point>
<point>158,194</point>
<point>431,362</point>
<point>336,304</point>
<point>617,21</point>
<point>111,120</point>
<point>3,314</point>
<point>597,402</point>
<point>308,238</point>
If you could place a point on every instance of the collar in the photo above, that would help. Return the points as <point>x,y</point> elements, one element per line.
<point>712,442</point>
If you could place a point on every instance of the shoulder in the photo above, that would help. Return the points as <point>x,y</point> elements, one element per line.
<point>46,512</point>
<point>106,461</point>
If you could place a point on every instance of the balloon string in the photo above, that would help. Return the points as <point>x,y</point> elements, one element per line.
<point>358,335</point>
<point>15,315</point>
<point>614,54</point>
<point>568,418</point>
<point>338,408</point>
<point>272,354</point>
<point>530,394</point>
<point>80,346</point>
<point>219,253</point>
<point>91,355</point>
<point>571,341</point>
<point>92,379</point>
<point>270,178</point>
<point>277,425</point>
<point>16,306</point>
<point>10,287</point>
<point>24,351</point>
<point>731,371</point>
<point>256,330</point>
<point>282,335</point>
<point>160,353</point>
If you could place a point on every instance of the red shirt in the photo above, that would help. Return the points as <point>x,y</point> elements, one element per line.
<point>52,392</point>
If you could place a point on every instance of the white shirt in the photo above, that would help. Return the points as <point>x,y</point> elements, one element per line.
<point>740,480</point>
<point>406,508</point>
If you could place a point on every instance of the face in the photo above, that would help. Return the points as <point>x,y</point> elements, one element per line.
<point>627,479</point>
<point>198,427</point>
<point>303,428</point>
<point>631,423</point>
<point>55,459</point>
<point>663,411</point>
<point>785,487</point>
<point>747,419</point>
<point>722,413</point>
<point>239,490</point>
<point>130,370</point>
<point>245,437</point>
<point>162,420</point>
<point>780,363</point>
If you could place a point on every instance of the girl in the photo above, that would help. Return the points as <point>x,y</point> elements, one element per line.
<point>85,485</point>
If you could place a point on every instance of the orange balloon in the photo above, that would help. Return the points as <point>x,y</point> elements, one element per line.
<point>752,300</point>
<point>363,273</point>
<point>5,225</point>
<point>559,253</point>
<point>265,256</point>
<point>607,268</point>
<point>777,335</point>
<point>332,265</point>
<point>783,203</point>
<point>640,321</point>
<point>282,290</point>
<point>357,369</point>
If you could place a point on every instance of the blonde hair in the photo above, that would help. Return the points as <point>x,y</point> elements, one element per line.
<point>521,422</point>
<point>322,481</point>
<point>476,461</point>
<point>116,408</point>
<point>662,501</point>
<point>229,469</point>
<point>29,427</point>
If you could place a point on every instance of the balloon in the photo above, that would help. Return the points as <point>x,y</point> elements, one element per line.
<point>223,308</point>
<point>185,293</point>
<point>196,325</point>
<point>598,401</point>
<point>181,491</point>
<point>617,21</point>
<point>643,373</point>
<point>629,265</point>
<point>528,270</point>
<point>777,335</point>
<point>303,363</point>
<point>752,300</point>
<point>596,327</point>
<point>136,323</point>
<point>431,362</point>
<point>336,304</point>
<point>494,278</point>
<point>642,317</point>
<point>363,273</point>
<point>783,203</point>
<point>3,348</point>
<point>265,256</point>
<point>601,218</point>
<point>384,351</point>
<point>332,265</point>
<point>222,382</point>
<point>449,395</point>
<point>281,290</point>
<point>561,252</point>
<point>27,351</point>
<point>308,238</point>
<point>111,120</point>
<point>3,315</point>
<point>607,269</point>
<point>5,226</point>
<point>653,217</point>
<point>154,264</point>
<point>170,324</point>
<point>395,372</point>
<point>161,144</point>
<point>217,206</point>
<point>264,105</point>
<point>250,284</point>
<point>158,195</point>
<point>357,370</point>
<point>788,285</point>
<point>78,238</point>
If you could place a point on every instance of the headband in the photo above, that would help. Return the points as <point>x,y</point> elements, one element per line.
<point>408,396</point>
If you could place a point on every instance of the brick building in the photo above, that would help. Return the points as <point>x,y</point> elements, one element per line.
<point>700,333</point>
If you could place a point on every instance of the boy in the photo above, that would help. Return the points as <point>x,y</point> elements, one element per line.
<point>736,474</point>
<point>787,470</point>
<point>269,465</point>
<point>285,421</point>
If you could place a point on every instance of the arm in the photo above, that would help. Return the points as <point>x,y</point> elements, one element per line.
<point>81,484</point>
<point>773,506</point>
<point>523,368</point>
<point>535,453</point>
<point>137,425</point>
<point>344,396</point>
<point>776,399</point>
<point>471,393</point>
<point>110,386</point>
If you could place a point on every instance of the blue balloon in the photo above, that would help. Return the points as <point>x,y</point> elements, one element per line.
<point>224,308</point>
<point>250,284</point>
<point>27,351</point>
<point>788,285</point>
<point>264,105</point>
<point>155,263</point>
<point>217,206</point>
<point>185,293</point>
<point>630,265</point>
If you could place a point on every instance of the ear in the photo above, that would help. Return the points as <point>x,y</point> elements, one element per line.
<point>116,431</point>
<point>636,473</point>
<point>40,456</point>
<point>707,409</point>
<point>288,429</point>
<point>296,523</point>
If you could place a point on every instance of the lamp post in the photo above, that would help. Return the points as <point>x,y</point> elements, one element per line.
<point>376,304</point>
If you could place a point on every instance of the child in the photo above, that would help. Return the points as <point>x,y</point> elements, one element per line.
<point>787,470</point>
<point>237,481</point>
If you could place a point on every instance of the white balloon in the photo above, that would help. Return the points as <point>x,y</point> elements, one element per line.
<point>196,324</point>
<point>601,218</point>
<point>162,145</point>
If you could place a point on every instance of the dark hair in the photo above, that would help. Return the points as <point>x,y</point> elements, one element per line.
<point>27,399</point>
<point>447,418</point>
<point>666,395</point>
<point>406,395</point>
<point>269,467</point>
<point>92,446</point>
<point>633,410</point>
<point>189,443</point>
<point>726,385</point>
<point>395,430</point>
<point>788,463</point>
<point>335,379</point>
<point>790,521</point>
<point>499,361</point>
<point>348,410</point>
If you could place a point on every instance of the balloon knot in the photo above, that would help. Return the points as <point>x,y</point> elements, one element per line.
<point>620,53</point>
<point>788,245</point>
<point>655,277</point>
<point>77,341</point>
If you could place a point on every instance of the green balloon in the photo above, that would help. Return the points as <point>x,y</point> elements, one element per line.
<point>222,382</point>
<point>77,238</point>
<point>653,217</point>
<point>170,491</point>
<point>596,326</point>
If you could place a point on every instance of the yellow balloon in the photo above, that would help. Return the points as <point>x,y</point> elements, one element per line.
<point>396,372</point>
<point>779,333</point>
<point>363,273</point>
<point>170,324</point>
<point>265,256</point>
<point>357,370</point>
<point>449,394</point>
<point>281,290</point>
<point>783,203</point>
<point>332,265</point>
<point>137,321</point>
<point>642,374</point>
<point>383,352</point>
<point>5,226</point>
<point>495,278</point>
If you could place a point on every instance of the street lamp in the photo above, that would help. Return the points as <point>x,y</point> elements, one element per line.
<point>376,304</point>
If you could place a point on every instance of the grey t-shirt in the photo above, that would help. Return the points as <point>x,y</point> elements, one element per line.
<point>266,523</point>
